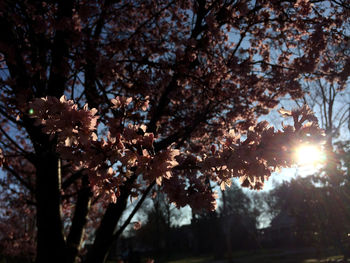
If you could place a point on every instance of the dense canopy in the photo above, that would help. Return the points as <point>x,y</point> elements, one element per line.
<point>101,100</point>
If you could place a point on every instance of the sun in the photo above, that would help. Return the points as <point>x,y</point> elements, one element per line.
<point>309,156</point>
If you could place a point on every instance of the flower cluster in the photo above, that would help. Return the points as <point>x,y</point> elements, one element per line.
<point>108,162</point>
<point>263,151</point>
<point>63,119</point>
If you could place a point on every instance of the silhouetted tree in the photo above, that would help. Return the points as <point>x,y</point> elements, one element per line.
<point>320,209</point>
<point>102,100</point>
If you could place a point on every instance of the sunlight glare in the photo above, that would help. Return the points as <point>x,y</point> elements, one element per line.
<point>309,156</point>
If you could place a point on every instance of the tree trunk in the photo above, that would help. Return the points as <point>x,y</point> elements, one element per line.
<point>105,234</point>
<point>79,221</point>
<point>51,242</point>
<point>227,227</point>
<point>104,237</point>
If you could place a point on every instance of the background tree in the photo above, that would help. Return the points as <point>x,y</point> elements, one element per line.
<point>161,216</point>
<point>238,220</point>
<point>321,212</point>
<point>170,86</point>
<point>328,96</point>
<point>326,191</point>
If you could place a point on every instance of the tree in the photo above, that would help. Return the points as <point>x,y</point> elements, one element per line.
<point>102,100</point>
<point>328,96</point>
<point>233,226</point>
<point>321,212</point>
<point>238,220</point>
<point>160,216</point>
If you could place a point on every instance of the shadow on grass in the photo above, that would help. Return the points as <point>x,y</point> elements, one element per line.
<point>260,256</point>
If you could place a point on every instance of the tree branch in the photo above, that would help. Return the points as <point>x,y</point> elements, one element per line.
<point>60,52</point>
<point>104,234</point>
<point>13,142</point>
<point>19,178</point>
<point>72,179</point>
<point>138,205</point>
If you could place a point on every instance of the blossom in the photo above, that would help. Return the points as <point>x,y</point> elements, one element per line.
<point>137,225</point>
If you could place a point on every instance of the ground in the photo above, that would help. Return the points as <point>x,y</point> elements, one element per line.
<point>264,256</point>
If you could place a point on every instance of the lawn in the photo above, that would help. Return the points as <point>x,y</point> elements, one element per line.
<point>262,256</point>
<point>192,260</point>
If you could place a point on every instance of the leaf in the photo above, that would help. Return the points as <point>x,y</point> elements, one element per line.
<point>128,100</point>
<point>159,180</point>
<point>222,186</point>
<point>63,99</point>
<point>94,137</point>
<point>284,112</point>
<point>137,225</point>
<point>68,141</point>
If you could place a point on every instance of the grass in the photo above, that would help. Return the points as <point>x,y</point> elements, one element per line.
<point>261,256</point>
<point>336,258</point>
<point>191,260</point>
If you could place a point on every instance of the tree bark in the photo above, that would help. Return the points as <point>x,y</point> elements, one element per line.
<point>76,232</point>
<point>51,242</point>
<point>59,67</point>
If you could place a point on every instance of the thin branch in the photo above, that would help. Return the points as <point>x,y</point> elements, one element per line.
<point>150,19</point>
<point>13,142</point>
<point>18,177</point>
<point>341,4</point>
<point>324,101</point>
<point>73,85</point>
<point>14,192</point>
<point>136,208</point>
<point>4,113</point>
<point>72,179</point>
